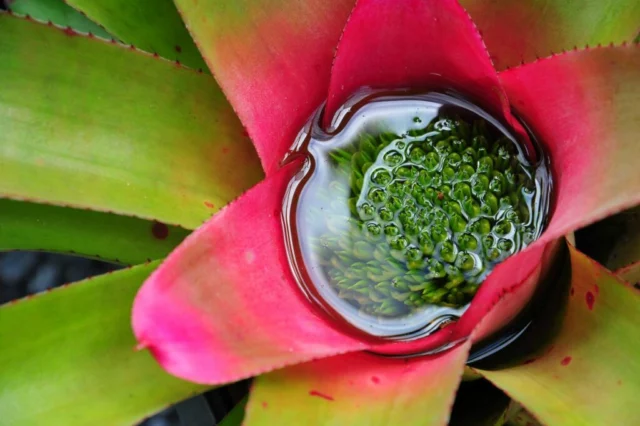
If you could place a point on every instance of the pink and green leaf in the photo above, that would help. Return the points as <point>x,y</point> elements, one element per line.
<point>250,298</point>
<point>415,44</point>
<point>517,31</point>
<point>596,349</point>
<point>359,389</point>
<point>68,358</point>
<point>59,13</point>
<point>272,59</point>
<point>91,124</point>
<point>121,239</point>
<point>151,25</point>
<point>582,107</point>
<point>224,306</point>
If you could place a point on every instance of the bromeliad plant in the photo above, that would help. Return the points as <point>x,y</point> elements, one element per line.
<point>371,216</point>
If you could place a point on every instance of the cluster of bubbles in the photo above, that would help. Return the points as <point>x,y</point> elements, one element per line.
<point>430,213</point>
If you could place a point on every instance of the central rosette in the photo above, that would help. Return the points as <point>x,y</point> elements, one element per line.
<point>407,207</point>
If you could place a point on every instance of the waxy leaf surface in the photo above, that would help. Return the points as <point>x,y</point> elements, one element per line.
<point>92,124</point>
<point>109,237</point>
<point>399,45</point>
<point>591,373</point>
<point>272,59</point>
<point>68,358</point>
<point>59,13</point>
<point>516,31</point>
<point>359,389</point>
<point>224,306</point>
<point>151,25</point>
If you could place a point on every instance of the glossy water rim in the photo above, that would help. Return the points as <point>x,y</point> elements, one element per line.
<point>374,102</point>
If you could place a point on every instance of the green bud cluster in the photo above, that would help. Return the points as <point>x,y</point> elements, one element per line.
<point>431,212</point>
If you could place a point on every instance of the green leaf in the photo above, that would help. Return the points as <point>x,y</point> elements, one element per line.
<point>30,226</point>
<point>591,374</point>
<point>236,416</point>
<point>68,358</point>
<point>91,124</point>
<point>60,13</point>
<point>516,31</point>
<point>150,25</point>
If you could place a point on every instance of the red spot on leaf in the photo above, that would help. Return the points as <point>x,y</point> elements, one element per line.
<point>320,395</point>
<point>375,379</point>
<point>529,361</point>
<point>160,230</point>
<point>209,204</point>
<point>225,150</point>
<point>596,288</point>
<point>440,195</point>
<point>70,32</point>
<point>590,300</point>
<point>264,404</point>
<point>566,360</point>
<point>178,49</point>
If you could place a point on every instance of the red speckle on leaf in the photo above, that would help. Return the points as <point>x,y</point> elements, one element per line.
<point>375,379</point>
<point>225,150</point>
<point>160,230</point>
<point>596,289</point>
<point>573,290</point>
<point>245,133</point>
<point>619,382</point>
<point>155,55</point>
<point>440,196</point>
<point>566,360</point>
<point>264,404</point>
<point>209,204</point>
<point>529,361</point>
<point>590,300</point>
<point>178,49</point>
<point>320,395</point>
<point>70,32</point>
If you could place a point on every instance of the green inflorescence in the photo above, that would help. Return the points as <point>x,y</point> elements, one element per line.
<point>432,211</point>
